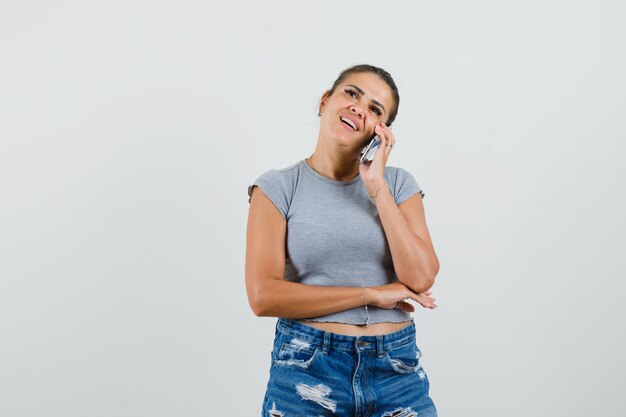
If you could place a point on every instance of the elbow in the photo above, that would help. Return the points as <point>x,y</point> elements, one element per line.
<point>259,309</point>
<point>421,284</point>
<point>257,306</point>
<point>259,303</point>
<point>420,280</point>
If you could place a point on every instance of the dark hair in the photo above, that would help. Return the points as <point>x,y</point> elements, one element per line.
<point>384,75</point>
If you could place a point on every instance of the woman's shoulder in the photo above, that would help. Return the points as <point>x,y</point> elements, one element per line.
<point>396,172</point>
<point>285,175</point>
<point>402,183</point>
<point>278,181</point>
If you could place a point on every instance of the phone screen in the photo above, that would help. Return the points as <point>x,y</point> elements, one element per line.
<point>368,152</point>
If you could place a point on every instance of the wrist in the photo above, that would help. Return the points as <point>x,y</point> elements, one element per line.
<point>375,188</point>
<point>370,295</point>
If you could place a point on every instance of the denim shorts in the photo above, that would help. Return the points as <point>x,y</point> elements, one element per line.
<point>318,373</point>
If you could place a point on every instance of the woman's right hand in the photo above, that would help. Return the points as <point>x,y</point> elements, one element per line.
<point>395,295</point>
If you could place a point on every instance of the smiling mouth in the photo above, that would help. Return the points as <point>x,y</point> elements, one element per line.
<point>349,123</point>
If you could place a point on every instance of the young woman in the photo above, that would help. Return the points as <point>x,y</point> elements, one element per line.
<point>334,250</point>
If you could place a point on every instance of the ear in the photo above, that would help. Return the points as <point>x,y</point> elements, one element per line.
<point>323,102</point>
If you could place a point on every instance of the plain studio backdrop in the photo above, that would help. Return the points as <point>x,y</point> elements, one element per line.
<point>130,130</point>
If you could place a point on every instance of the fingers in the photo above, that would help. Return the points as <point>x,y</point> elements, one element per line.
<point>424,300</point>
<point>386,137</point>
<point>396,295</point>
<point>376,168</point>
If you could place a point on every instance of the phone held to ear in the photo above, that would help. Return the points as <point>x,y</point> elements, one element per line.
<point>368,152</point>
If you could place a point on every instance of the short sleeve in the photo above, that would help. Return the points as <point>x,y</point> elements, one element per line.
<point>275,187</point>
<point>405,186</point>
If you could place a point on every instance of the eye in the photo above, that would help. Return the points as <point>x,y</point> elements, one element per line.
<point>351,93</point>
<point>377,111</point>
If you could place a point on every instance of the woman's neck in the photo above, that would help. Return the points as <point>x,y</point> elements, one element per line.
<point>337,169</point>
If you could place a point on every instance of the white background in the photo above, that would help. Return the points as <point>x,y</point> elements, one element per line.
<point>130,130</point>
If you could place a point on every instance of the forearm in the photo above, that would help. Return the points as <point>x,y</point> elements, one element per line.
<point>414,260</point>
<point>279,298</point>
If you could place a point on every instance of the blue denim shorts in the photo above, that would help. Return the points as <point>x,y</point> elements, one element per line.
<point>318,373</point>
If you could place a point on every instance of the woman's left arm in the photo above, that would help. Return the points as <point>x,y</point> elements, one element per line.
<point>414,258</point>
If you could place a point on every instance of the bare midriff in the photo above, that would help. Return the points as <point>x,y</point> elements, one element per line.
<point>374,329</point>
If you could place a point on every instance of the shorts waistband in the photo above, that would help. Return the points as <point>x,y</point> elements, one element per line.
<point>329,340</point>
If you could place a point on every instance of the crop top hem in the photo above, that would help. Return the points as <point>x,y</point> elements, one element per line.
<point>321,320</point>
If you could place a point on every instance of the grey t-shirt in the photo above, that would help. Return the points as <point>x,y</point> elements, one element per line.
<point>334,233</point>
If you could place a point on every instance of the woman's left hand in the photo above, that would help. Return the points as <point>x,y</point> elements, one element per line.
<point>395,295</point>
<point>372,173</point>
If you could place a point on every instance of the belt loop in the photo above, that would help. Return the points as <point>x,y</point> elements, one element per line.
<point>326,344</point>
<point>380,348</point>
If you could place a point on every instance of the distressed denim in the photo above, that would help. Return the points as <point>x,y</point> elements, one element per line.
<point>317,373</point>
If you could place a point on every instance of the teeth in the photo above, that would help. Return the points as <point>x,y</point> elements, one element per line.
<point>350,122</point>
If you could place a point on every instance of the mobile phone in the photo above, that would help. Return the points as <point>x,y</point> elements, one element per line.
<point>367,154</point>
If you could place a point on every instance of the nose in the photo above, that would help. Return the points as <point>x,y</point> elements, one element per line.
<point>357,110</point>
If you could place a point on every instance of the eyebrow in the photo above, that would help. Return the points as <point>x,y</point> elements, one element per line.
<point>361,92</point>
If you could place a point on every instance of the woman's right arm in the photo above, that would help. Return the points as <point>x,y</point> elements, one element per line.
<point>269,294</point>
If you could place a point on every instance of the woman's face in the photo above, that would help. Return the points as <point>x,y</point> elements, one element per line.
<point>356,106</point>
